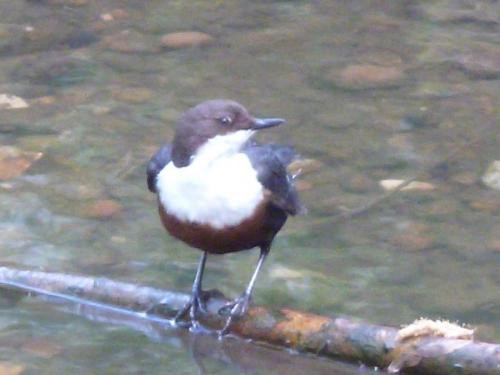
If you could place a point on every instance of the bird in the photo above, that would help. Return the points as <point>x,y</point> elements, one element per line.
<point>221,192</point>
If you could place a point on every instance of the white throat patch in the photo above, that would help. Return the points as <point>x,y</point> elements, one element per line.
<point>219,187</point>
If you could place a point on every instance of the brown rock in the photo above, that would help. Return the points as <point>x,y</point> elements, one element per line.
<point>186,39</point>
<point>412,237</point>
<point>365,76</point>
<point>14,162</point>
<point>103,209</point>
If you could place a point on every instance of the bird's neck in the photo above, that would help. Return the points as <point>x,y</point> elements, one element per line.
<point>221,146</point>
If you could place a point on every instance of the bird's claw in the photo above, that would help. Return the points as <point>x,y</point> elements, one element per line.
<point>197,304</point>
<point>234,310</point>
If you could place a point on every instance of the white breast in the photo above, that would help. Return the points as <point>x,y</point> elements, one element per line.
<point>219,187</point>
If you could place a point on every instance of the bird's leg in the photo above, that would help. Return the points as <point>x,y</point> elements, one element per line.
<point>239,306</point>
<point>197,302</point>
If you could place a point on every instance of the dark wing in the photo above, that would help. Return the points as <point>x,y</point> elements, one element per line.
<point>270,161</point>
<point>156,164</point>
<point>285,154</point>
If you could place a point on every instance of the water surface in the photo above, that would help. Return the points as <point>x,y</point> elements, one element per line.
<point>371,91</point>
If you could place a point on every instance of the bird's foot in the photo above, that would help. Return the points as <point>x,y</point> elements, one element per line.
<point>197,304</point>
<point>234,310</point>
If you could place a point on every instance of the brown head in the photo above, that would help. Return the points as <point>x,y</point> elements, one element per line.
<point>210,119</point>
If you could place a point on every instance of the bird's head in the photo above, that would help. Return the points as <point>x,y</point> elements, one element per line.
<point>219,125</point>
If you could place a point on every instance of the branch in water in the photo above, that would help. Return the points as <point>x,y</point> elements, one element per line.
<point>337,337</point>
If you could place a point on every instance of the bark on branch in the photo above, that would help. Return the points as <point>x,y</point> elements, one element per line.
<point>337,337</point>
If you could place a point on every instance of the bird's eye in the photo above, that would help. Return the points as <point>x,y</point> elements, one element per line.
<point>226,120</point>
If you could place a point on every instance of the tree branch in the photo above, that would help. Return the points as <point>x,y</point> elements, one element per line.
<point>337,337</point>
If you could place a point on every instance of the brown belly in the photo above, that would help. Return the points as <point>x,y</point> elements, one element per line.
<point>251,232</point>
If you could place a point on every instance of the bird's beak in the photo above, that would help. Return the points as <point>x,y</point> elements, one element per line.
<point>263,123</point>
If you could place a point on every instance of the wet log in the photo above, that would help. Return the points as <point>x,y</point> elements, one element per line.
<point>335,337</point>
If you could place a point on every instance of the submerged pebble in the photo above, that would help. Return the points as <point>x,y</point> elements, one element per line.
<point>14,162</point>
<point>413,237</point>
<point>103,209</point>
<point>367,76</point>
<point>491,177</point>
<point>8,101</point>
<point>186,39</point>
<point>393,184</point>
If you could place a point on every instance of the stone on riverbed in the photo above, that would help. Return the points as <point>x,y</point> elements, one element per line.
<point>491,177</point>
<point>366,76</point>
<point>186,39</point>
<point>14,162</point>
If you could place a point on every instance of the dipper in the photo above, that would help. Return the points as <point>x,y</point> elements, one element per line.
<point>220,192</point>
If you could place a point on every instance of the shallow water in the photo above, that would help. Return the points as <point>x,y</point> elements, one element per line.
<point>371,91</point>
